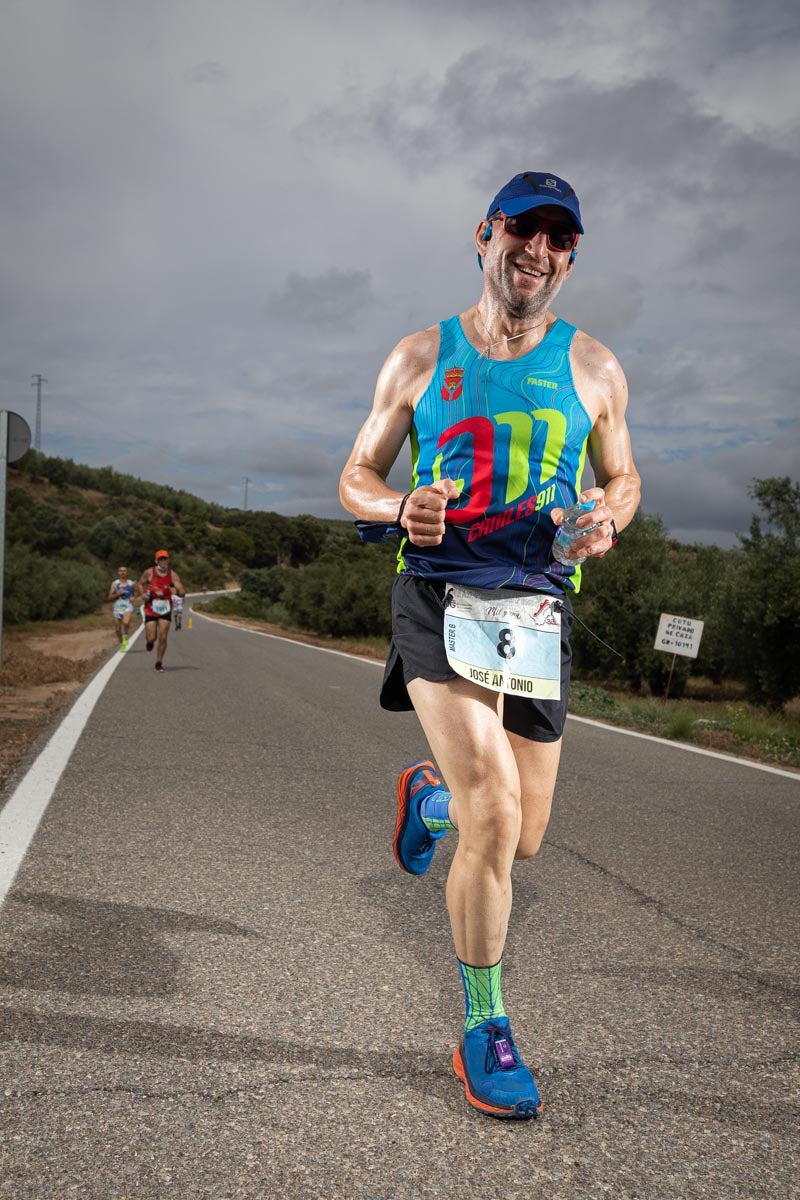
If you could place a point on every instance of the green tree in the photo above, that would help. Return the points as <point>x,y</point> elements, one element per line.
<point>45,589</point>
<point>303,539</point>
<point>21,512</point>
<point>761,598</point>
<point>51,531</point>
<point>265,585</point>
<point>620,601</point>
<point>38,526</point>
<point>112,538</point>
<point>703,572</point>
<point>341,599</point>
<point>235,544</point>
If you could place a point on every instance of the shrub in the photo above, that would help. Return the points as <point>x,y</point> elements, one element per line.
<point>41,589</point>
<point>679,724</point>
<point>591,701</point>
<point>265,585</point>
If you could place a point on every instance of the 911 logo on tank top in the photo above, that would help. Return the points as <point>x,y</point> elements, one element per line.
<point>514,445</point>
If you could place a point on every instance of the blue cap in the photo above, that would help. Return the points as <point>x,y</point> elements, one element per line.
<point>534,189</point>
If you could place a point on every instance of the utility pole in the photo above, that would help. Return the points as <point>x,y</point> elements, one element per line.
<point>38,380</point>
<point>246,483</point>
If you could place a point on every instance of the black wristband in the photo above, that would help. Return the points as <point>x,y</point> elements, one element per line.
<point>402,506</point>
<point>614,534</point>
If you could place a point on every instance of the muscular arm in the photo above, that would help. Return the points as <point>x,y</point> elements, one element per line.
<point>179,588</point>
<point>112,591</point>
<point>604,391</point>
<point>610,451</point>
<point>362,488</point>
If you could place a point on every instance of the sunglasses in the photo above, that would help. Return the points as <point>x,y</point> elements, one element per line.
<point>560,235</point>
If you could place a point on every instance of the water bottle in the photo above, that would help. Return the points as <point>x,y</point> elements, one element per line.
<point>568,531</point>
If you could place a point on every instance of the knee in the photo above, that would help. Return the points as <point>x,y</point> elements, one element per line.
<point>491,828</point>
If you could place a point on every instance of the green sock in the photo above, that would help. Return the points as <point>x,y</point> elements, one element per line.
<point>435,812</point>
<point>482,993</point>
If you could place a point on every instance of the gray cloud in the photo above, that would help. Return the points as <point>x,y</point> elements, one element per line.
<point>329,301</point>
<point>207,73</point>
<point>713,495</point>
<point>606,305</point>
<point>215,226</point>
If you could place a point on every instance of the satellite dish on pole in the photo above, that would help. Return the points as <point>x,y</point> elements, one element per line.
<point>18,438</point>
<point>15,438</point>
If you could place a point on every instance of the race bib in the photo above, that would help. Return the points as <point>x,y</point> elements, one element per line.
<point>121,607</point>
<point>505,641</point>
<point>161,607</point>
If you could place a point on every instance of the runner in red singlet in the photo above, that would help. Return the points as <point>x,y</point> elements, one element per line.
<point>156,587</point>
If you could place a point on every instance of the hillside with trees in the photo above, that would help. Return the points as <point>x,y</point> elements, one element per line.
<point>69,527</point>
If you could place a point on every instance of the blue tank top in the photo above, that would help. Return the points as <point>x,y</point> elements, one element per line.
<point>513,436</point>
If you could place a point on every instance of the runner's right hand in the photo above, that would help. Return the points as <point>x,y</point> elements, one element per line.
<point>423,515</point>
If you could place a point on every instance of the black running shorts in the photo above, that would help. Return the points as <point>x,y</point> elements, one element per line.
<point>417,652</point>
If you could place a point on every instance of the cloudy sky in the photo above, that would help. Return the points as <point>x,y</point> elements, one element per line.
<point>217,220</point>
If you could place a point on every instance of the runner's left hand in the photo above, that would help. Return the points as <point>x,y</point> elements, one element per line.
<point>597,543</point>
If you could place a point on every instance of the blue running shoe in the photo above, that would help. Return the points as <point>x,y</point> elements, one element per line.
<point>413,844</point>
<point>495,1078</point>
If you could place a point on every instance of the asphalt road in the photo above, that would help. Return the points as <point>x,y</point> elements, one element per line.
<point>215,982</point>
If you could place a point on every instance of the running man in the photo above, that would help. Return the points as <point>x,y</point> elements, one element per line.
<point>157,585</point>
<point>502,403</point>
<point>121,592</point>
<point>177,608</point>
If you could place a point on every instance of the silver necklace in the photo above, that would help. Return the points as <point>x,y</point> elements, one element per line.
<point>486,352</point>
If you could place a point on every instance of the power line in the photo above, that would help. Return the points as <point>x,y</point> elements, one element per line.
<point>38,380</point>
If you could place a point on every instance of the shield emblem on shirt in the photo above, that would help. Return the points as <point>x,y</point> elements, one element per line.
<point>453,383</point>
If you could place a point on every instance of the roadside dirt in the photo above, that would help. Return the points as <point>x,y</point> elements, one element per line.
<point>44,667</point>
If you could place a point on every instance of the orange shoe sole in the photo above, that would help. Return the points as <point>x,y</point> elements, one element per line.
<point>511,1113</point>
<point>401,806</point>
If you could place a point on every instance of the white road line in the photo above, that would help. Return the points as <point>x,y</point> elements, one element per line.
<point>20,817</point>
<point>648,737</point>
<point>278,638</point>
